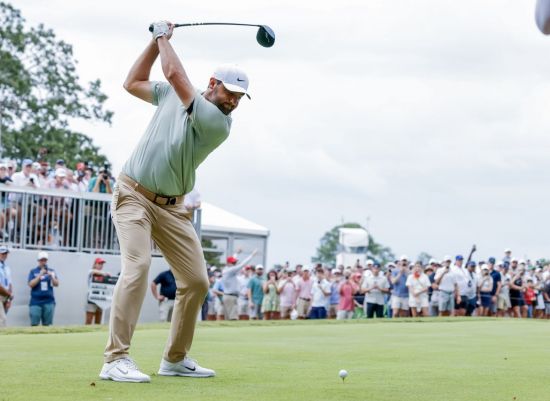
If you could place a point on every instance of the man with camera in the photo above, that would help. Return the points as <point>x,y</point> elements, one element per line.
<point>103,182</point>
<point>42,279</point>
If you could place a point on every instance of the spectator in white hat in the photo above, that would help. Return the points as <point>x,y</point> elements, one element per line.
<point>42,279</point>
<point>303,290</point>
<point>447,284</point>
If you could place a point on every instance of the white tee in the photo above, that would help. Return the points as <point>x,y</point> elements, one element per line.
<point>448,281</point>
<point>417,284</point>
<point>317,297</point>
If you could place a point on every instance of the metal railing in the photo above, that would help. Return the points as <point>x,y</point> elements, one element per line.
<point>61,220</point>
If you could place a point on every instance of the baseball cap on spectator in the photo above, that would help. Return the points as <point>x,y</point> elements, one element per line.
<point>472,263</point>
<point>376,265</point>
<point>36,165</point>
<point>3,165</point>
<point>459,257</point>
<point>432,262</point>
<point>42,255</point>
<point>514,260</point>
<point>522,262</point>
<point>99,260</point>
<point>60,162</point>
<point>447,258</point>
<point>390,264</point>
<point>27,162</point>
<point>492,260</point>
<point>507,250</point>
<point>403,258</point>
<point>231,260</point>
<point>484,267</point>
<point>306,268</point>
<point>4,249</point>
<point>259,267</point>
<point>370,262</point>
<point>60,172</point>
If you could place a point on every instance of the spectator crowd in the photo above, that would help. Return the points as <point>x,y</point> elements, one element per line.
<point>84,178</point>
<point>451,287</point>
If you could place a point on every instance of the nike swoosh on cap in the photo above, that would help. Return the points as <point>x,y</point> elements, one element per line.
<point>240,80</point>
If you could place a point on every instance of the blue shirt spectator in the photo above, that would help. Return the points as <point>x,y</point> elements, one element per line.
<point>399,289</point>
<point>256,288</point>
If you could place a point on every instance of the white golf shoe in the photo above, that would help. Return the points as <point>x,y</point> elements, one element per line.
<point>123,370</point>
<point>187,367</point>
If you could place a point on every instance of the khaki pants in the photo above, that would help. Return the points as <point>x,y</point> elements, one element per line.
<point>137,220</point>
<point>230,307</point>
<point>166,308</point>
<point>302,306</point>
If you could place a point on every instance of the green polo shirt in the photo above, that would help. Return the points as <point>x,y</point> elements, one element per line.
<point>176,142</point>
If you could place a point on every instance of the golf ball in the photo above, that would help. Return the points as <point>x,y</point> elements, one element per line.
<point>343,374</point>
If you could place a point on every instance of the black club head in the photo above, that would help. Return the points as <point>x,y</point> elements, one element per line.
<point>265,36</point>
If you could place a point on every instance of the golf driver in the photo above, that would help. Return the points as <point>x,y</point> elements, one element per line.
<point>265,35</point>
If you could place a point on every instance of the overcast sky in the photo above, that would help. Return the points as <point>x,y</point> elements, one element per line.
<point>429,118</point>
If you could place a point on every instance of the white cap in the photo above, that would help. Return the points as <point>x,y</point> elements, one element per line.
<point>42,255</point>
<point>522,262</point>
<point>507,250</point>
<point>306,268</point>
<point>432,262</point>
<point>403,257</point>
<point>447,258</point>
<point>60,172</point>
<point>370,262</point>
<point>233,78</point>
<point>484,267</point>
<point>514,260</point>
<point>260,267</point>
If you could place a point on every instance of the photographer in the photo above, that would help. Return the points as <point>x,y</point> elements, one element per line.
<point>42,279</point>
<point>103,183</point>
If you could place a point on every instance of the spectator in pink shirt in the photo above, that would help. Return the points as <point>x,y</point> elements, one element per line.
<point>346,305</point>
<point>303,288</point>
<point>287,294</point>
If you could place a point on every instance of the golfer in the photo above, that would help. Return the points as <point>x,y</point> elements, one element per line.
<point>148,202</point>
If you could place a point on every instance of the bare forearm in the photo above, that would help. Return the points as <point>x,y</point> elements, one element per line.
<point>141,69</point>
<point>174,72</point>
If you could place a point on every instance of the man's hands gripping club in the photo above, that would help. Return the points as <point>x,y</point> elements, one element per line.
<point>162,28</point>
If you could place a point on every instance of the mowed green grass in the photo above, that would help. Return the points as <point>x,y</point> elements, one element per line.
<point>474,360</point>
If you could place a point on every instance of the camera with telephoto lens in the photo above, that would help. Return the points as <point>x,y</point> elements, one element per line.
<point>106,173</point>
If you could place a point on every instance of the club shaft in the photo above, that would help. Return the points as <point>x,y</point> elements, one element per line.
<point>212,23</point>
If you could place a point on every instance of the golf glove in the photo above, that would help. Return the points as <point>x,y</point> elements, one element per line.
<point>160,28</point>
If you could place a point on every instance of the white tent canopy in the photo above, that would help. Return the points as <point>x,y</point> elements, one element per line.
<point>217,219</point>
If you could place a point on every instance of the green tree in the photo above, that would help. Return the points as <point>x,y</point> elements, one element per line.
<point>328,247</point>
<point>211,255</point>
<point>424,257</point>
<point>40,93</point>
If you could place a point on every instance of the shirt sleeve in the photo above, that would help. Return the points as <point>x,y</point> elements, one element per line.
<point>160,90</point>
<point>31,276</point>
<point>211,128</point>
<point>158,279</point>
